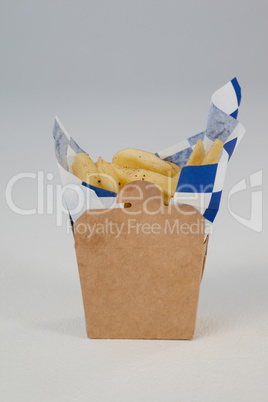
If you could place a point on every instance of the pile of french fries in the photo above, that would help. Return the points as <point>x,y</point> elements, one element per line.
<point>132,164</point>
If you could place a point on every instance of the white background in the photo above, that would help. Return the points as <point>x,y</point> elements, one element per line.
<point>120,74</point>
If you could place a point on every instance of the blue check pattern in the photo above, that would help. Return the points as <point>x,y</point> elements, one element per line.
<point>201,186</point>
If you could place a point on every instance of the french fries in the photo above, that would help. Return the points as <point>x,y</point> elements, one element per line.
<point>123,173</point>
<point>197,154</point>
<point>132,164</point>
<point>214,153</point>
<point>167,185</point>
<point>137,159</point>
<point>86,170</point>
<point>108,176</point>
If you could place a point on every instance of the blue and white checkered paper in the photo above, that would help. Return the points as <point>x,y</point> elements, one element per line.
<point>199,186</point>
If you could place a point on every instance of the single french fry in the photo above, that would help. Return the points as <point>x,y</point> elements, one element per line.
<point>167,185</point>
<point>214,153</point>
<point>109,178</point>
<point>174,183</point>
<point>197,154</point>
<point>109,183</point>
<point>137,159</point>
<point>123,174</point>
<point>85,169</point>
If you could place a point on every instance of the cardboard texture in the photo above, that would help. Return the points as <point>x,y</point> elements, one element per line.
<point>140,267</point>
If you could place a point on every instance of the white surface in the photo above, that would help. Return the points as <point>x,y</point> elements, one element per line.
<point>46,356</point>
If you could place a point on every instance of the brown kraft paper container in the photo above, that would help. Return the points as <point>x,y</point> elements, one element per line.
<point>143,283</point>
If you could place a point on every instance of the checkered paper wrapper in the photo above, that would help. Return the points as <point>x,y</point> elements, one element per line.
<point>199,186</point>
